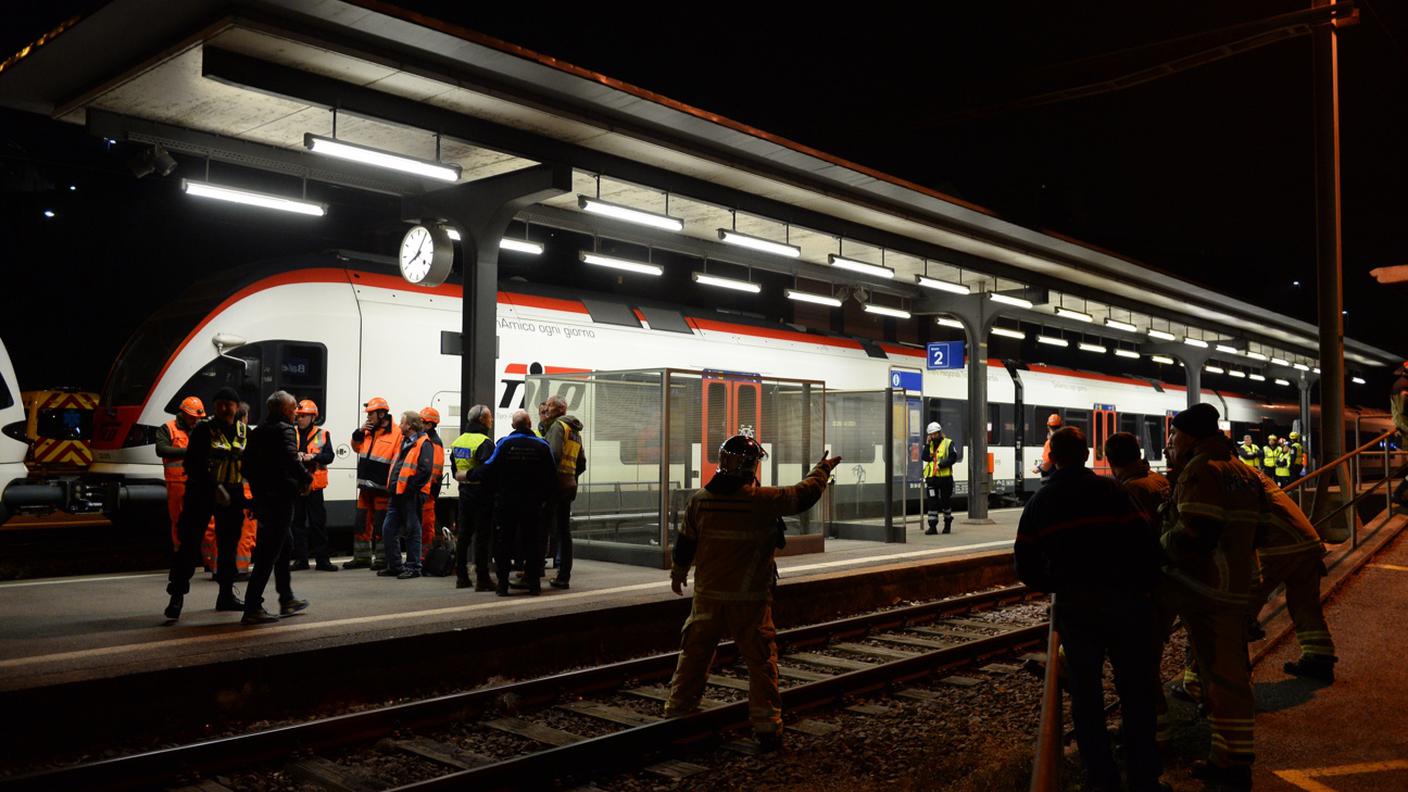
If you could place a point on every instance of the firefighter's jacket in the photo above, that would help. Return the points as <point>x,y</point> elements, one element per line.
<point>1217,506</point>
<point>731,532</point>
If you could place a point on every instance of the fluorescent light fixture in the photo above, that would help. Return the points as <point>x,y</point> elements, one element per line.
<point>454,233</point>
<point>1357,380</point>
<point>48,212</point>
<point>1300,367</point>
<point>250,198</point>
<point>1052,340</point>
<point>758,243</point>
<point>1287,383</point>
<point>940,285</point>
<point>1238,374</point>
<point>1079,316</point>
<point>874,270</point>
<point>1126,353</point>
<point>1195,342</point>
<point>1227,350</point>
<point>1118,325</point>
<point>1086,346</point>
<point>1255,355</point>
<point>727,283</point>
<point>381,159</point>
<point>1164,359</point>
<point>1280,361</point>
<point>1007,332</point>
<point>1215,369</point>
<point>1316,370</point>
<point>1009,300</point>
<point>521,246</point>
<point>808,297</point>
<point>612,262</point>
<point>637,216</point>
<point>1256,377</point>
<point>947,322</point>
<point>886,311</point>
<point>1160,334</point>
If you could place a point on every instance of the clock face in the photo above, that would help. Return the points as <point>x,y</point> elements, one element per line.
<point>417,254</point>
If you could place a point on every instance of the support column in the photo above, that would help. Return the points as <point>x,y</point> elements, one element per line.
<point>1193,360</point>
<point>482,210</point>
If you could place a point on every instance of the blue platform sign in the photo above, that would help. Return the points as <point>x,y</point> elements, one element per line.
<point>945,355</point>
<point>901,379</point>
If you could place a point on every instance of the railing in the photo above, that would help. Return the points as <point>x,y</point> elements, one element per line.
<point>1046,768</point>
<point>1349,470</point>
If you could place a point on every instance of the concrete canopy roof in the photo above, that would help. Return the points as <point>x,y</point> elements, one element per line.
<point>143,59</point>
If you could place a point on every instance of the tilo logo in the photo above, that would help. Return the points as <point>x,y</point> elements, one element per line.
<point>572,390</point>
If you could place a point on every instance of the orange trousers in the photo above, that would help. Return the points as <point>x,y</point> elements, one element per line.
<point>244,554</point>
<point>175,494</point>
<point>427,526</point>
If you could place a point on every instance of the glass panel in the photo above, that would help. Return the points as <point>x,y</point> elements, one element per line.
<point>1129,422</point>
<point>1080,419</point>
<point>716,428</point>
<point>1154,425</point>
<point>242,370</point>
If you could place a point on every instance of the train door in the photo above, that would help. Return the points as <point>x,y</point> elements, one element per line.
<point>1103,422</point>
<point>731,406</point>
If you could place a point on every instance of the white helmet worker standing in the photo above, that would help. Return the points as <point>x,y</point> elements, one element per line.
<point>939,457</point>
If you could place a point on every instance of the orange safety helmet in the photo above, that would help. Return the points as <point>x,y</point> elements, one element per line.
<point>306,407</point>
<point>430,415</point>
<point>1053,420</point>
<point>193,406</point>
<point>378,403</point>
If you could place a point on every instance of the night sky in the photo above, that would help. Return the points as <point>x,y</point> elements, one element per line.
<point>1207,174</point>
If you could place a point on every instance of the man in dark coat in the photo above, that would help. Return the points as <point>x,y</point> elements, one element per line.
<point>276,479</point>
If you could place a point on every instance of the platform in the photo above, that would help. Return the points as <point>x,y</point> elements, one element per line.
<point>62,630</point>
<point>1352,735</point>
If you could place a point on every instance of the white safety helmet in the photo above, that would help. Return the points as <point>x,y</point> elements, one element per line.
<point>933,427</point>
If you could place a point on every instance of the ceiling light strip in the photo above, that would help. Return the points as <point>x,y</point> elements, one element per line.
<point>252,198</point>
<point>366,155</point>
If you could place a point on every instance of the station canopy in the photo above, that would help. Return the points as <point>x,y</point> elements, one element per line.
<point>244,83</point>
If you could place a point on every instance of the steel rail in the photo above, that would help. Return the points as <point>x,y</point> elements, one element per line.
<point>240,751</point>
<point>1325,468</point>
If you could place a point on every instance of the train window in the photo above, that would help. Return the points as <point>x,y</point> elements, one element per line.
<point>1154,425</point>
<point>7,398</point>
<point>302,371</point>
<point>1036,417</point>
<point>1080,419</point>
<point>241,370</point>
<point>1003,431</point>
<point>1129,422</point>
<point>952,414</point>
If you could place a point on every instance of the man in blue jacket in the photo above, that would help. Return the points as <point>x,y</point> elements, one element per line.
<point>521,476</point>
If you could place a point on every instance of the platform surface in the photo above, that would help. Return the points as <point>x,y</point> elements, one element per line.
<point>65,629</point>
<point>1352,735</point>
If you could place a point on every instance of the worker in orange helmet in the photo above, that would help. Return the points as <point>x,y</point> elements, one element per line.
<point>310,515</point>
<point>172,438</point>
<point>376,442</point>
<point>431,416</point>
<point>1044,467</point>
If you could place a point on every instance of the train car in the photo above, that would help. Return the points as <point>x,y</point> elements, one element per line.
<point>12,439</point>
<point>347,328</point>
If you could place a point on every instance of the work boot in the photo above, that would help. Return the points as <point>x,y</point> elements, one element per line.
<point>1237,777</point>
<point>501,590</point>
<point>408,574</point>
<point>298,566</point>
<point>948,525</point>
<point>484,584</point>
<point>1313,667</point>
<point>377,566</point>
<point>770,742</point>
<point>173,608</point>
<point>227,601</point>
<point>933,530</point>
<point>289,607</point>
<point>535,588</point>
<point>326,566</point>
<point>462,581</point>
<point>260,616</point>
<point>559,583</point>
<point>391,573</point>
<point>520,583</point>
<point>357,563</point>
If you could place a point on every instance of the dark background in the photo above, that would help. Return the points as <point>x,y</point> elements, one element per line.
<point>1207,174</point>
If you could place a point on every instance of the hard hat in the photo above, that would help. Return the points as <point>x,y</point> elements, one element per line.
<point>378,403</point>
<point>193,406</point>
<point>306,407</point>
<point>739,455</point>
<point>1053,420</point>
<point>430,415</point>
<point>1271,438</point>
<point>933,427</point>
<point>1295,435</point>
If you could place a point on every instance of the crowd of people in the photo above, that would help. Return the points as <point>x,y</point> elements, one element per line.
<point>255,495</point>
<point>1127,555</point>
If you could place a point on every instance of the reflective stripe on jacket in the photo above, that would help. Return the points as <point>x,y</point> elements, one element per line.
<point>407,465</point>
<point>462,451</point>
<point>1250,454</point>
<point>374,457</point>
<point>174,467</point>
<point>226,454</point>
<point>1268,459</point>
<point>316,440</point>
<point>1217,506</point>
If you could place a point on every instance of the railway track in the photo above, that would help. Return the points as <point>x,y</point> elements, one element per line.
<point>582,722</point>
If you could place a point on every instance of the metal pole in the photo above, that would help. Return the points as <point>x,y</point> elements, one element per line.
<point>1328,253</point>
<point>1193,372</point>
<point>890,465</point>
<point>978,426</point>
<point>665,464</point>
<point>1356,471</point>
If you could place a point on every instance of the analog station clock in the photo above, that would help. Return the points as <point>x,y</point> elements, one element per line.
<point>427,255</point>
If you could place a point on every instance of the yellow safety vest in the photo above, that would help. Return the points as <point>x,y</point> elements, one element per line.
<point>932,468</point>
<point>571,447</point>
<point>1249,454</point>
<point>225,454</point>
<point>1283,461</point>
<point>463,449</point>
<point>1268,457</point>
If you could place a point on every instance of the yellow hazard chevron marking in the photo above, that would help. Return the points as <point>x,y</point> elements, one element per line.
<point>1394,567</point>
<point>1305,778</point>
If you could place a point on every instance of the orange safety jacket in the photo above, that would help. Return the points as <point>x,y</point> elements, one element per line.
<point>437,466</point>
<point>316,442</point>
<point>404,468</point>
<point>174,468</point>
<point>375,454</point>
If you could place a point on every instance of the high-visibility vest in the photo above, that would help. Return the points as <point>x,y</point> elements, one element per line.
<point>437,465</point>
<point>571,447</point>
<point>462,451</point>
<point>375,454</point>
<point>1298,454</point>
<point>174,468</point>
<point>1283,462</point>
<point>933,468</point>
<point>316,440</point>
<point>405,467</point>
<point>225,455</point>
<point>1250,454</point>
<point>1268,457</point>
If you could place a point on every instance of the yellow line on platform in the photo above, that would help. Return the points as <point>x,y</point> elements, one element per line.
<point>1305,778</point>
<point>1394,567</point>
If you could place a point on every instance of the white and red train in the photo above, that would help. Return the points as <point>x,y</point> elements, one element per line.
<point>346,331</point>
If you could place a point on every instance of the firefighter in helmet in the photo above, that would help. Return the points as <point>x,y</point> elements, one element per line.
<point>731,529</point>
<point>1045,467</point>
<point>939,456</point>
